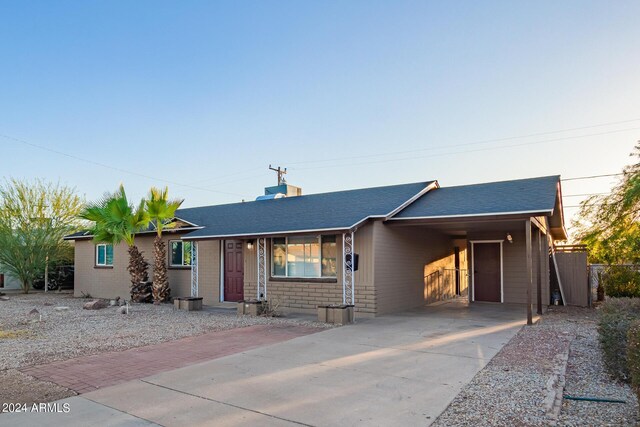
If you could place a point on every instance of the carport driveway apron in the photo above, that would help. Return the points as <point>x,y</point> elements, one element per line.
<point>396,370</point>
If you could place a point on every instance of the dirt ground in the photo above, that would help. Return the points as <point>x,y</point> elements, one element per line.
<point>20,388</point>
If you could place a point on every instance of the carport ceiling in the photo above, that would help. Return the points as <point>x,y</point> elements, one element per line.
<point>461,228</point>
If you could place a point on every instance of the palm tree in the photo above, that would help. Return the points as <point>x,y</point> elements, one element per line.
<point>161,211</point>
<point>116,220</point>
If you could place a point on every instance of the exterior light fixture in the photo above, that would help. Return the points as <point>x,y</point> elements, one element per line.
<point>509,238</point>
<point>250,244</point>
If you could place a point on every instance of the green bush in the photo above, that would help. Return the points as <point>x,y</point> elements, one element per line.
<point>616,317</point>
<point>621,281</point>
<point>633,356</point>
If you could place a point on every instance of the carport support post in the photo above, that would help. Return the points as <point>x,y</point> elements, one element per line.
<point>539,274</point>
<point>527,231</point>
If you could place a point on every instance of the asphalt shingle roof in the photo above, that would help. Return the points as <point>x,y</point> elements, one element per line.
<point>342,209</point>
<point>337,210</point>
<point>522,195</point>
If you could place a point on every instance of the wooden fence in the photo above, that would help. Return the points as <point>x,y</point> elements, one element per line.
<point>571,267</point>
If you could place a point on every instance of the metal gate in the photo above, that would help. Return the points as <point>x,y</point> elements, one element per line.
<point>446,283</point>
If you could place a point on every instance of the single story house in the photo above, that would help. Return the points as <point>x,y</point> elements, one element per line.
<point>7,281</point>
<point>382,249</point>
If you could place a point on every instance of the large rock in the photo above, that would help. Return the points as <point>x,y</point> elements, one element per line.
<point>95,305</point>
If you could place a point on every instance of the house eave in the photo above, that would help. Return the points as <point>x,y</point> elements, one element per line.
<point>166,230</point>
<point>264,234</point>
<point>479,216</point>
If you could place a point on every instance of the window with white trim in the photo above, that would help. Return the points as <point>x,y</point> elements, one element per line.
<point>104,255</point>
<point>180,255</point>
<point>304,256</point>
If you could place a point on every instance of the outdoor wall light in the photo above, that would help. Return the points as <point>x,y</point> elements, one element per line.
<point>250,244</point>
<point>509,238</point>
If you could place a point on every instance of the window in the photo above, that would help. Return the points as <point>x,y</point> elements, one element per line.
<point>180,253</point>
<point>304,256</point>
<point>104,255</point>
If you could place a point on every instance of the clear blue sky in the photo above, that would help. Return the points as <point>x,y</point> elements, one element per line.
<point>346,94</point>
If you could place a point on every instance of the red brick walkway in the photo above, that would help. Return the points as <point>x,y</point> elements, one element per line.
<point>89,373</point>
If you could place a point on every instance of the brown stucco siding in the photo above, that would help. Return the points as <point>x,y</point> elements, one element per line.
<point>100,282</point>
<point>365,298</point>
<point>209,271</point>
<point>115,281</point>
<point>515,276</point>
<point>403,256</point>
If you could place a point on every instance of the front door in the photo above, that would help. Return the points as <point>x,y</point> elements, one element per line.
<point>486,272</point>
<point>233,271</point>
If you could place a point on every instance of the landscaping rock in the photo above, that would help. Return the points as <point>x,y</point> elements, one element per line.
<point>123,310</point>
<point>4,298</point>
<point>61,308</point>
<point>33,311</point>
<point>48,304</point>
<point>524,383</point>
<point>76,332</point>
<point>95,305</point>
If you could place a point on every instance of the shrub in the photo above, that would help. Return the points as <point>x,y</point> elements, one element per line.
<point>633,356</point>
<point>616,317</point>
<point>621,281</point>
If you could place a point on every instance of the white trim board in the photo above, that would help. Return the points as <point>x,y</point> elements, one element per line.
<point>473,274</point>
<point>543,212</point>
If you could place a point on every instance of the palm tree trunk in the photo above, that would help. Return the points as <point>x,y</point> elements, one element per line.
<point>161,290</point>
<point>140,287</point>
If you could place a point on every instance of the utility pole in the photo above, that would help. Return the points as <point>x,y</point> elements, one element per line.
<point>281,173</point>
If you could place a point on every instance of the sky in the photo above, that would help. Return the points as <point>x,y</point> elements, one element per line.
<point>203,96</point>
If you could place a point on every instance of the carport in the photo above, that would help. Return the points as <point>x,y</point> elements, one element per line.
<point>502,230</point>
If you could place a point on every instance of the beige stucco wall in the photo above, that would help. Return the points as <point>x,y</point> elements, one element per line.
<point>105,282</point>
<point>404,255</point>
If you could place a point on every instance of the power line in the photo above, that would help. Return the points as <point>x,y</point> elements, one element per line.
<point>73,156</point>
<point>485,141</point>
<point>592,176</point>
<point>584,195</point>
<point>588,204</point>
<point>466,151</point>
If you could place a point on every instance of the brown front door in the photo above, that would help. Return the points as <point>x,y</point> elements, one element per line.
<point>486,272</point>
<point>233,271</point>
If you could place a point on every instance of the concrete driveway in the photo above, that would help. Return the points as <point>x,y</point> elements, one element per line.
<point>399,370</point>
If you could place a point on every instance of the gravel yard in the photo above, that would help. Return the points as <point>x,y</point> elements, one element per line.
<point>51,335</point>
<point>512,388</point>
